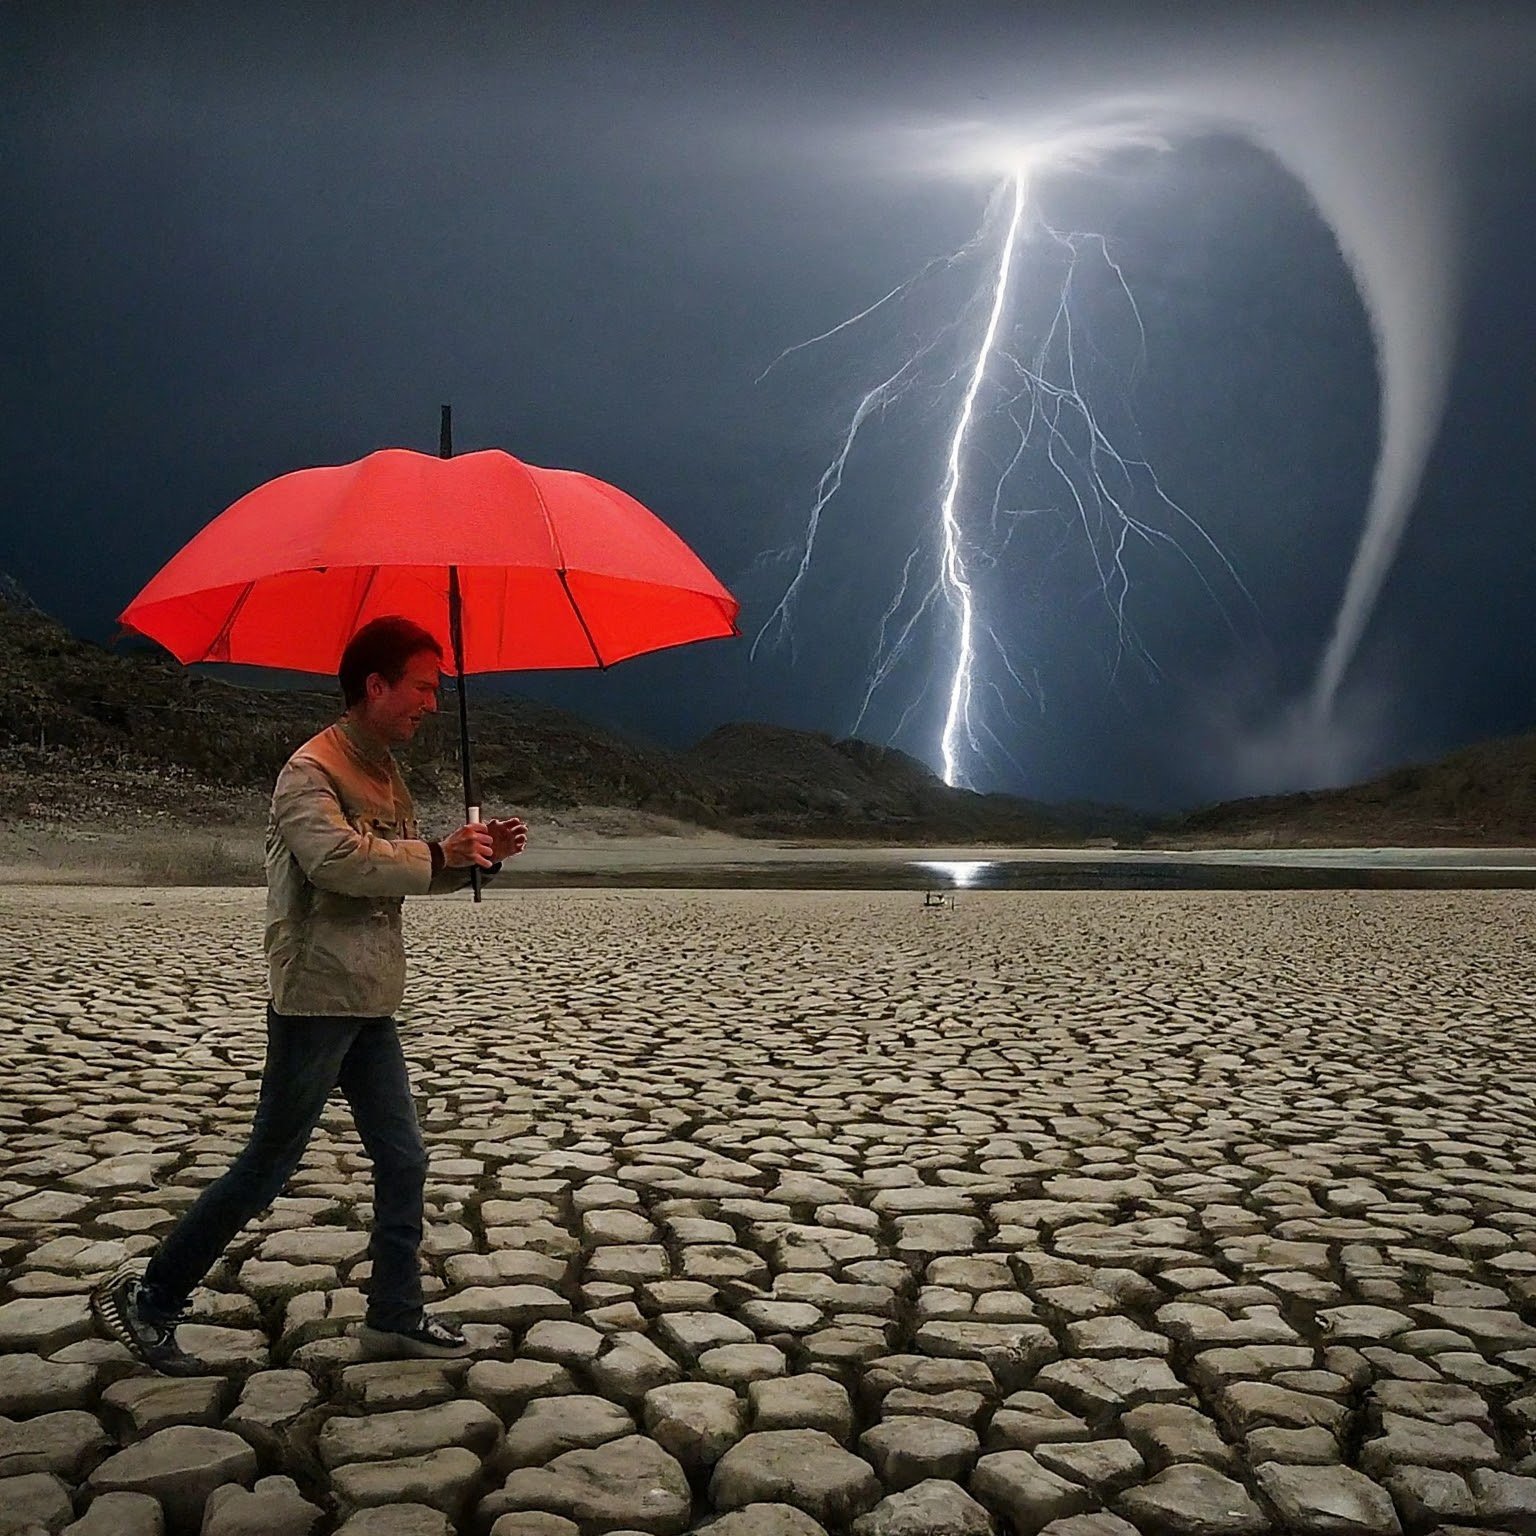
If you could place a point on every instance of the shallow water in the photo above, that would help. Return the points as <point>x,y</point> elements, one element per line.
<point>1323,869</point>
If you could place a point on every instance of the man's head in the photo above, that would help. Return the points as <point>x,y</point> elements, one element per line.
<point>388,675</point>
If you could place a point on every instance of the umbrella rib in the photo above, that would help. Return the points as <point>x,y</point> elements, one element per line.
<point>221,639</point>
<point>549,524</point>
<point>566,587</point>
<point>373,571</point>
<point>554,539</point>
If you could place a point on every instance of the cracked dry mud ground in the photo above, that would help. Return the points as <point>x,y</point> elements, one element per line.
<point>772,1214</point>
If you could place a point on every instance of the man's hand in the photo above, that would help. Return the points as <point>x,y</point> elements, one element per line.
<point>508,838</point>
<point>470,845</point>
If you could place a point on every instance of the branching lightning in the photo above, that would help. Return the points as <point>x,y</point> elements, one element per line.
<point>1114,500</point>
<point>956,586</point>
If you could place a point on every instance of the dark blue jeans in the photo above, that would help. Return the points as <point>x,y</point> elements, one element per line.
<point>306,1059</point>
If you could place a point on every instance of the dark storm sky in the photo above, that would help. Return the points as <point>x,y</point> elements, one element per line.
<point>241,240</point>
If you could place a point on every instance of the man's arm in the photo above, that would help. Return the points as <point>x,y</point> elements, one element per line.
<point>445,879</point>
<point>333,854</point>
<point>499,840</point>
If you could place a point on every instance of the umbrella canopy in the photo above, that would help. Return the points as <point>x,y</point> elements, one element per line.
<point>509,567</point>
<point>555,569</point>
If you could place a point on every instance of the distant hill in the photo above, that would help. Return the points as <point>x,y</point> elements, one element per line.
<point>1481,795</point>
<point>770,779</point>
<point>132,735</point>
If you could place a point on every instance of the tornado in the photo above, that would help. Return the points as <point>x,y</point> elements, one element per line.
<point>1362,130</point>
<point>1376,165</point>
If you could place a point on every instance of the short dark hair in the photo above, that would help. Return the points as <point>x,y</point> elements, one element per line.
<point>384,646</point>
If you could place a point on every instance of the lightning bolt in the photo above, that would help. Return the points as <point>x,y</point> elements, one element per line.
<point>1114,500</point>
<point>956,584</point>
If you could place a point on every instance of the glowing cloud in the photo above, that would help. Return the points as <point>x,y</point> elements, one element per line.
<point>1354,133</point>
<point>1041,392</point>
<point>1366,117</point>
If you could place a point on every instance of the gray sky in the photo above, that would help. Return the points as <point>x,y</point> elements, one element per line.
<point>241,240</point>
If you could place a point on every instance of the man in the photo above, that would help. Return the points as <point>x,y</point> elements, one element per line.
<point>342,851</point>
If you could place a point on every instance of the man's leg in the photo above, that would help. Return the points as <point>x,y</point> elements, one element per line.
<point>304,1060</point>
<point>374,1079</point>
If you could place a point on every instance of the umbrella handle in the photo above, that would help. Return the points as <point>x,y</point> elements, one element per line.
<point>472,817</point>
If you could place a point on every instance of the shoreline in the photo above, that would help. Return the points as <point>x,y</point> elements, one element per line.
<point>231,857</point>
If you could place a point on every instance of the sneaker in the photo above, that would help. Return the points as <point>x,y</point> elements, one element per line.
<point>430,1339</point>
<point>117,1305</point>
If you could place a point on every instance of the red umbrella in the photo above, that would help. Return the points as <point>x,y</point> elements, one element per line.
<point>510,566</point>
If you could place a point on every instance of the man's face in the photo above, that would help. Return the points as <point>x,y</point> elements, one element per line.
<point>395,709</point>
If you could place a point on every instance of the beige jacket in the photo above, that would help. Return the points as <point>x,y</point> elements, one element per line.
<point>343,851</point>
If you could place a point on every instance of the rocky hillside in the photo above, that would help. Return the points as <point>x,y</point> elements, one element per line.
<point>130,735</point>
<point>772,779</point>
<point>1482,795</point>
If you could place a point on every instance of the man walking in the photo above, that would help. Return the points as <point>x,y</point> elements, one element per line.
<point>342,851</point>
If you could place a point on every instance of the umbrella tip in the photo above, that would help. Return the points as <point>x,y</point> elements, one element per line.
<point>445,434</point>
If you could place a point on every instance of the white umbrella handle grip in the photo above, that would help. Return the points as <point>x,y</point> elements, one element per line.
<point>472,817</point>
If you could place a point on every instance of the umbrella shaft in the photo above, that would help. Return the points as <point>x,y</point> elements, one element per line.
<point>456,628</point>
<point>456,635</point>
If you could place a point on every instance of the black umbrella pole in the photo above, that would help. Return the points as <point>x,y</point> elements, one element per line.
<point>456,628</point>
<point>456,635</point>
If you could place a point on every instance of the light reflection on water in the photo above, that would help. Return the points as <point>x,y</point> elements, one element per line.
<point>1216,870</point>
<point>960,873</point>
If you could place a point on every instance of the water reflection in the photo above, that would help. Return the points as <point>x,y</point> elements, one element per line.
<point>959,872</point>
<point>1049,870</point>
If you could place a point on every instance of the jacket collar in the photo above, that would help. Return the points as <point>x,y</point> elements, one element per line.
<point>372,749</point>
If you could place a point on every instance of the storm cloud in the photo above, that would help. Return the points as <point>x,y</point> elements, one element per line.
<point>244,240</point>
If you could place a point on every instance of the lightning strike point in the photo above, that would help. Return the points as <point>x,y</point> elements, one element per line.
<point>956,584</point>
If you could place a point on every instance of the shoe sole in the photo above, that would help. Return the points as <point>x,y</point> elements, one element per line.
<point>379,1344</point>
<point>109,1319</point>
<point>105,1309</point>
